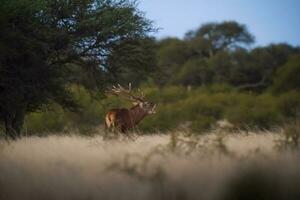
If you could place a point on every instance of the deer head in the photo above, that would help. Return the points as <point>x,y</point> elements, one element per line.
<point>136,100</point>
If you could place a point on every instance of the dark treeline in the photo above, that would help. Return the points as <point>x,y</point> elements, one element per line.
<point>221,53</point>
<point>60,55</point>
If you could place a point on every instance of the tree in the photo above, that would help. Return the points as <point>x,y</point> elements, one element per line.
<point>172,53</point>
<point>287,76</point>
<point>45,44</point>
<point>133,61</point>
<point>194,72</point>
<point>250,69</point>
<point>262,64</point>
<point>216,37</point>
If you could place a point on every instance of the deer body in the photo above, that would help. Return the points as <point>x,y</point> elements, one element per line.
<point>124,119</point>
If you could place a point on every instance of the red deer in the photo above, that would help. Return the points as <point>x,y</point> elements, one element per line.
<point>123,119</point>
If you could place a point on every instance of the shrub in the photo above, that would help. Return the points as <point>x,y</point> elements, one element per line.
<point>289,104</point>
<point>254,112</point>
<point>287,76</point>
<point>202,123</point>
<point>197,109</point>
<point>53,119</point>
<point>290,140</point>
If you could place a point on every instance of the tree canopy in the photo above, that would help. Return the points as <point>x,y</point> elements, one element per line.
<point>46,45</point>
<point>219,53</point>
<point>287,76</point>
<point>221,36</point>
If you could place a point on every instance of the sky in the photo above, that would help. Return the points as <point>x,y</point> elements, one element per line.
<point>270,21</point>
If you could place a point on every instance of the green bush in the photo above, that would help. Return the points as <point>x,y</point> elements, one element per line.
<point>198,109</point>
<point>289,104</point>
<point>253,111</point>
<point>202,123</point>
<point>287,76</point>
<point>53,119</point>
<point>168,117</point>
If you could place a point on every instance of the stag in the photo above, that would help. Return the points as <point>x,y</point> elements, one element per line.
<point>123,119</point>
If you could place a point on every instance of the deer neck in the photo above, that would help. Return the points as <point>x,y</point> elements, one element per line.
<point>137,114</point>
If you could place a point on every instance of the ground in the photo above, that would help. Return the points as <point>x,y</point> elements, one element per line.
<point>175,165</point>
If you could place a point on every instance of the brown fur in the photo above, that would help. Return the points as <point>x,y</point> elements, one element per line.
<point>124,119</point>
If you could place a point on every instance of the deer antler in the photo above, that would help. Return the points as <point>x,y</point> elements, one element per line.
<point>121,91</point>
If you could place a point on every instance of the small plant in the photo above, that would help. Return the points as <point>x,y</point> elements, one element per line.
<point>220,146</point>
<point>290,139</point>
<point>185,143</point>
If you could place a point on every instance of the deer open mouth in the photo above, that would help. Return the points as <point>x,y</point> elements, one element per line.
<point>153,110</point>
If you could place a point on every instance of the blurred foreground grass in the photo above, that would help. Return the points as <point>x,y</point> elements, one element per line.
<point>173,165</point>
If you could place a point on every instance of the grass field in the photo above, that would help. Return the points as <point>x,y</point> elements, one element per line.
<point>177,165</point>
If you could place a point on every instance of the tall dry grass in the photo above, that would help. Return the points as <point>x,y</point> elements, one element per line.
<point>179,166</point>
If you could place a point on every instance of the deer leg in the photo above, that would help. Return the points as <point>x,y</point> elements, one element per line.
<point>106,132</point>
<point>110,126</point>
<point>123,129</point>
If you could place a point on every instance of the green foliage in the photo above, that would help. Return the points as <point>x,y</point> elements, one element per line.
<point>222,36</point>
<point>198,110</point>
<point>202,123</point>
<point>187,58</point>
<point>287,77</point>
<point>133,61</point>
<point>171,54</point>
<point>289,104</point>
<point>290,138</point>
<point>218,53</point>
<point>46,46</point>
<point>56,55</point>
<point>251,111</point>
<point>47,121</point>
<point>194,72</point>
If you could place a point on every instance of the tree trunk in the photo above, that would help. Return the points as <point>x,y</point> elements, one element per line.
<point>14,123</point>
<point>9,131</point>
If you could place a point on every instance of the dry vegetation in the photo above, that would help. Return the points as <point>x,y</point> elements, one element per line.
<point>178,165</point>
